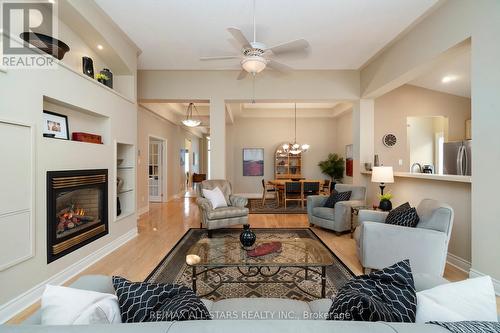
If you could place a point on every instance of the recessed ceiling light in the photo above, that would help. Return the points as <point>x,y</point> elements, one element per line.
<point>449,78</point>
<point>100,47</point>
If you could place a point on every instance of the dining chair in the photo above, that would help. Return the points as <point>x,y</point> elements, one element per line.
<point>309,188</point>
<point>269,188</point>
<point>293,192</point>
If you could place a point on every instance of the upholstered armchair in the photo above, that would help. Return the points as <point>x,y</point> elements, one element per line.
<point>380,245</point>
<point>338,218</point>
<point>235,213</point>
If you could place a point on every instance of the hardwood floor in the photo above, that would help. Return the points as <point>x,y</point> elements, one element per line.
<point>165,224</point>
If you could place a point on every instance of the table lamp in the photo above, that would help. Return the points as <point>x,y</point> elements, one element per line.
<point>383,175</point>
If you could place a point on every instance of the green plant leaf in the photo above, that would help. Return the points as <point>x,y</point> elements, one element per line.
<point>333,166</point>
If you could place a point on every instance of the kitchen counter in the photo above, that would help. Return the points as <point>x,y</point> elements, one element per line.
<point>430,176</point>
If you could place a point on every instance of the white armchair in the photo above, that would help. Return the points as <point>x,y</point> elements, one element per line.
<point>380,245</point>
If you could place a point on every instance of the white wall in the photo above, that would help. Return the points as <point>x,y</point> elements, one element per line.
<point>150,124</point>
<point>343,137</point>
<point>393,109</point>
<point>268,133</point>
<point>22,99</point>
<point>448,25</point>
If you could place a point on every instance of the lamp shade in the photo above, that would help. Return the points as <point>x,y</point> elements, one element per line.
<point>382,174</point>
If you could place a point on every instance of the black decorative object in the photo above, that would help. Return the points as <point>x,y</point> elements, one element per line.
<point>247,237</point>
<point>118,207</point>
<point>109,82</point>
<point>45,43</point>
<point>385,205</point>
<point>88,66</point>
<point>387,295</point>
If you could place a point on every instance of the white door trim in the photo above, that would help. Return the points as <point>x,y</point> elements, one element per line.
<point>164,173</point>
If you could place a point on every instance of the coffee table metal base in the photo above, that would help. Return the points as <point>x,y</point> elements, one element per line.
<point>252,271</point>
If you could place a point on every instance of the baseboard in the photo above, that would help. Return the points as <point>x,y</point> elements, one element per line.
<point>458,263</point>
<point>143,210</point>
<point>21,302</point>
<point>496,283</point>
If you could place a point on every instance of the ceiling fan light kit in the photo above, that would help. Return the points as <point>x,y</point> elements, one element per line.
<point>256,56</point>
<point>254,64</point>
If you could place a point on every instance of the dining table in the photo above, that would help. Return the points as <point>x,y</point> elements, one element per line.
<point>280,184</point>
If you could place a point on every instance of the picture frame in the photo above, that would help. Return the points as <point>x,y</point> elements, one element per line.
<point>253,162</point>
<point>55,125</point>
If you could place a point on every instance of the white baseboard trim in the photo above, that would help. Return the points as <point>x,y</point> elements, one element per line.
<point>143,210</point>
<point>458,263</point>
<point>496,283</point>
<point>21,302</point>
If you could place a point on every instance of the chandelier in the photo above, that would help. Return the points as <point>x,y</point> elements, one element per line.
<point>294,147</point>
<point>190,121</point>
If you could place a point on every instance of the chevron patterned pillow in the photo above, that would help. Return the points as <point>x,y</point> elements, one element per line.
<point>142,302</point>
<point>404,215</point>
<point>386,295</point>
<point>336,197</point>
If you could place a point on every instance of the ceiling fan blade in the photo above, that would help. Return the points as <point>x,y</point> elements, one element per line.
<point>279,66</point>
<point>239,36</point>
<point>243,74</point>
<point>292,46</point>
<point>220,57</point>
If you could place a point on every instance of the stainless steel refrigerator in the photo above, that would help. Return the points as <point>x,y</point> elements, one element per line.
<point>457,158</point>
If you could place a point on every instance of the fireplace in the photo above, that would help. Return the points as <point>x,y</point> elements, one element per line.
<point>77,210</point>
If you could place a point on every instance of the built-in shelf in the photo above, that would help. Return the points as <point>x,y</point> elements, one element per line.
<point>79,120</point>
<point>429,176</point>
<point>125,170</point>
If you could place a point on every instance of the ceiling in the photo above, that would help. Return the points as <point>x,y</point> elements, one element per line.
<point>175,112</point>
<point>454,65</point>
<point>343,34</point>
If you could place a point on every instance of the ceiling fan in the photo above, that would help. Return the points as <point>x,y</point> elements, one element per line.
<point>256,56</point>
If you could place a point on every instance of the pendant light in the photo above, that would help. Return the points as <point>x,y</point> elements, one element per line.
<point>190,121</point>
<point>294,147</point>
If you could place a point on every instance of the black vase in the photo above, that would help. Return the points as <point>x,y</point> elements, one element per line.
<point>88,67</point>
<point>109,75</point>
<point>247,237</point>
<point>118,207</point>
<point>385,205</point>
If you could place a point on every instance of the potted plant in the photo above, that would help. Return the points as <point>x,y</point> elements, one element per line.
<point>385,202</point>
<point>102,78</point>
<point>333,167</point>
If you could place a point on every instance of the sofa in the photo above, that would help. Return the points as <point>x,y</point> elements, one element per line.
<point>267,315</point>
<point>235,213</point>
<point>338,218</point>
<point>380,244</point>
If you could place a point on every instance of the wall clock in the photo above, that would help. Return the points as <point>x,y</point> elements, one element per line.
<point>389,140</point>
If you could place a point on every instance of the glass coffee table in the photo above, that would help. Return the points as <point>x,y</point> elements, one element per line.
<point>307,254</point>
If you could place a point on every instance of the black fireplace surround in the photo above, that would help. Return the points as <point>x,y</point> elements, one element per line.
<point>77,210</point>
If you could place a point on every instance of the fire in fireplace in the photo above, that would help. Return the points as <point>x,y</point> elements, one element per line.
<point>77,210</point>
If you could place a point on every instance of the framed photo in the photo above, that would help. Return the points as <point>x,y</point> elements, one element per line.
<point>253,162</point>
<point>55,125</point>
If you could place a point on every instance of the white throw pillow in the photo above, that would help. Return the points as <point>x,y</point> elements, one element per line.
<point>216,197</point>
<point>70,306</point>
<point>471,299</point>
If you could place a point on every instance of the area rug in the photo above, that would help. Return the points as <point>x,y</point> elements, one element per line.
<point>173,269</point>
<point>255,206</point>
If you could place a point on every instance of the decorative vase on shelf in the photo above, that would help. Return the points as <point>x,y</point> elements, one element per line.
<point>118,207</point>
<point>88,67</point>
<point>385,205</point>
<point>109,75</point>
<point>247,237</point>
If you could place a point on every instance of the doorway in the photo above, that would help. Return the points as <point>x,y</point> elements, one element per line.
<point>187,164</point>
<point>157,169</point>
